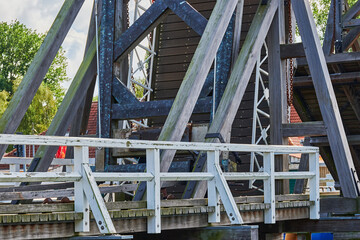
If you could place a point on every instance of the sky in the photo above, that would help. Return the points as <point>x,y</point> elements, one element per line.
<point>40,14</point>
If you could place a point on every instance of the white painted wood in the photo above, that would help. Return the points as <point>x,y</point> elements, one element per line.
<point>96,202</point>
<point>139,144</point>
<point>27,161</point>
<point>14,167</point>
<point>224,191</point>
<point>180,176</point>
<point>294,175</point>
<point>213,193</point>
<point>153,190</point>
<point>39,177</point>
<point>314,185</point>
<point>81,155</point>
<point>269,188</point>
<point>122,176</point>
<point>246,175</point>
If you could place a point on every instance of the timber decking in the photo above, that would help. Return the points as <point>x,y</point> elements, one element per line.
<point>57,220</point>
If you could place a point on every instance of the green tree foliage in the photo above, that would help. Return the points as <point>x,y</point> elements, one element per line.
<point>18,46</point>
<point>40,112</point>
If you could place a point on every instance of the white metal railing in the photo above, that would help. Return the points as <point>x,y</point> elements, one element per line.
<point>87,193</point>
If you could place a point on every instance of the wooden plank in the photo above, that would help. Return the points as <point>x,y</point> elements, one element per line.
<point>303,129</point>
<point>59,193</point>
<point>327,99</point>
<point>27,89</point>
<point>240,76</point>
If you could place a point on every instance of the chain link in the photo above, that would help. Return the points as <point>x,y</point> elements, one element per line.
<point>289,84</point>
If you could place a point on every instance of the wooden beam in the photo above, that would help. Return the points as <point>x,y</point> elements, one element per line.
<point>336,78</point>
<point>334,58</point>
<point>295,50</point>
<point>327,99</point>
<point>194,79</point>
<point>303,129</point>
<point>240,76</point>
<point>278,103</point>
<point>27,89</point>
<point>353,12</point>
<point>300,184</point>
<point>323,141</point>
<point>351,37</point>
<point>352,23</point>
<point>353,98</point>
<point>80,122</point>
<point>328,44</point>
<point>237,30</point>
<point>67,109</point>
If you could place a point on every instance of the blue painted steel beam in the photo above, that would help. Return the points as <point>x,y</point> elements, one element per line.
<point>154,109</point>
<point>122,94</point>
<point>106,53</point>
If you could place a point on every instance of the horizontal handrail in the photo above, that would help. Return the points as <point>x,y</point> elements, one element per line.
<point>87,193</point>
<point>141,144</point>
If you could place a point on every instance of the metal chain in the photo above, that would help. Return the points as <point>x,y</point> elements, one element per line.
<point>289,84</point>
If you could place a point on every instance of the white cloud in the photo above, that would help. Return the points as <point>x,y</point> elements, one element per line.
<point>40,14</point>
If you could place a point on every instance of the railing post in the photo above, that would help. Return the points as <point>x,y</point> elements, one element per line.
<point>213,193</point>
<point>153,190</point>
<point>81,203</point>
<point>314,185</point>
<point>269,187</point>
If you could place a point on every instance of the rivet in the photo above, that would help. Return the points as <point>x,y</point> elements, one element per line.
<point>86,209</point>
<point>102,227</point>
<point>100,222</point>
<point>86,223</point>
<point>230,214</point>
<point>233,219</point>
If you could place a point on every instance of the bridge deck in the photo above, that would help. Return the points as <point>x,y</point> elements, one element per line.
<point>57,220</point>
